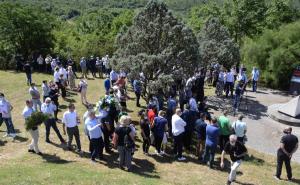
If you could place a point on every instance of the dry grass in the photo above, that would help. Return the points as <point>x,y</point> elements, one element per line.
<point>58,166</point>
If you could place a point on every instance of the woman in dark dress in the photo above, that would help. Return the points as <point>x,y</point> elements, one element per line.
<point>145,131</point>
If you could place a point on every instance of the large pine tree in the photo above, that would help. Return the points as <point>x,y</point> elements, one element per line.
<point>158,45</point>
<point>216,45</point>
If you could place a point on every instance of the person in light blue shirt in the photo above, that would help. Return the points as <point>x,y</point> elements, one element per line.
<point>255,77</point>
<point>113,77</point>
<point>95,135</point>
<point>49,108</point>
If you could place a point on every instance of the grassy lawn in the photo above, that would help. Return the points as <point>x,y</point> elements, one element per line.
<point>58,166</point>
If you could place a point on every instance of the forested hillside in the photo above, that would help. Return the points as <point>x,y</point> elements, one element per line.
<point>76,28</point>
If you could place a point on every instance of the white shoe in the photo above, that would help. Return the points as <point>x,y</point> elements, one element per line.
<point>181,159</point>
<point>162,153</point>
<point>6,135</point>
<point>13,135</point>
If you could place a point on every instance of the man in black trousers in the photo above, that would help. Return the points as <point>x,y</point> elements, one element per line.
<point>288,146</point>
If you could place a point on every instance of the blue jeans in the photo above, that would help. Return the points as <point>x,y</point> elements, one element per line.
<point>9,125</point>
<point>209,154</point>
<point>29,80</point>
<point>254,85</point>
<point>237,99</point>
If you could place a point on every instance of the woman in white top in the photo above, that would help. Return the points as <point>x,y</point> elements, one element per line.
<point>82,88</point>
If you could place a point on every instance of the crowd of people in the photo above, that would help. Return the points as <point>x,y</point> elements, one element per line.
<point>183,119</point>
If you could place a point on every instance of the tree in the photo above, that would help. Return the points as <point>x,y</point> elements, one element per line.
<point>199,15</point>
<point>216,45</point>
<point>24,31</point>
<point>159,46</point>
<point>280,12</point>
<point>244,17</point>
<point>276,53</point>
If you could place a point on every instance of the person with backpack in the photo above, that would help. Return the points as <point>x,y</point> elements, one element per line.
<point>124,142</point>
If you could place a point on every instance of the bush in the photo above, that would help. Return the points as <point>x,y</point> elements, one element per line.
<point>276,53</point>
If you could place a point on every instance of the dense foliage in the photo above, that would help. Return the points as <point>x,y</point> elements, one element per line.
<point>24,31</point>
<point>159,46</point>
<point>276,53</point>
<point>216,45</point>
<point>77,28</point>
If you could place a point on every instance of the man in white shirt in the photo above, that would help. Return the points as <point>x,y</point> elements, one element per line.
<point>46,90</point>
<point>35,97</point>
<point>71,120</point>
<point>193,104</point>
<point>34,132</point>
<point>95,135</point>
<point>229,83</point>
<point>56,75</point>
<point>178,125</point>
<point>5,111</point>
<point>63,71</point>
<point>49,108</point>
<point>240,129</point>
<point>255,77</point>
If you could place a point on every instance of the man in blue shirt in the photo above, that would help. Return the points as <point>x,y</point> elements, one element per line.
<point>107,85</point>
<point>171,106</point>
<point>212,136</point>
<point>160,127</point>
<point>137,87</point>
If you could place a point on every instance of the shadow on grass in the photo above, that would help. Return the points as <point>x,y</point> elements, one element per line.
<point>54,159</point>
<point>2,143</point>
<point>69,100</point>
<point>144,168</point>
<point>20,139</point>
<point>254,160</point>
<point>243,183</point>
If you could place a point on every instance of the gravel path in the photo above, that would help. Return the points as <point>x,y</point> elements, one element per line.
<point>263,133</point>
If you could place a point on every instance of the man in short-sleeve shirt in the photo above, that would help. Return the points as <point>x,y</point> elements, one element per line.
<point>288,146</point>
<point>237,152</point>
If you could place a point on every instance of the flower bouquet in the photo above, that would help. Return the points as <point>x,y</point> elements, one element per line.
<point>36,119</point>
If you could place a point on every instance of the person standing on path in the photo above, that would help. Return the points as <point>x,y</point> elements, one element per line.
<point>237,152</point>
<point>240,129</point>
<point>35,97</point>
<point>255,77</point>
<point>34,132</point>
<point>137,87</point>
<point>288,146</point>
<point>71,121</point>
<point>229,83</point>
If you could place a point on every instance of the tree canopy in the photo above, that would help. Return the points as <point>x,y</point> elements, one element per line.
<point>24,31</point>
<point>216,45</point>
<point>159,46</point>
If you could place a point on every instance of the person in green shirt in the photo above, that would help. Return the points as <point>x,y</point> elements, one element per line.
<point>225,129</point>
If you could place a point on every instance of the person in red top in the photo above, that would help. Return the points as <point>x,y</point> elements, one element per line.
<point>121,82</point>
<point>151,115</point>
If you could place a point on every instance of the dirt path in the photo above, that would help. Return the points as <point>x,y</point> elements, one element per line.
<point>264,133</point>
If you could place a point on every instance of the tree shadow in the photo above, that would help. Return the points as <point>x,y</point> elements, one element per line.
<point>296,181</point>
<point>53,158</point>
<point>20,138</point>
<point>249,106</point>
<point>63,106</point>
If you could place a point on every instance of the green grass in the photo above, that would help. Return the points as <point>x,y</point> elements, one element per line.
<point>58,166</point>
